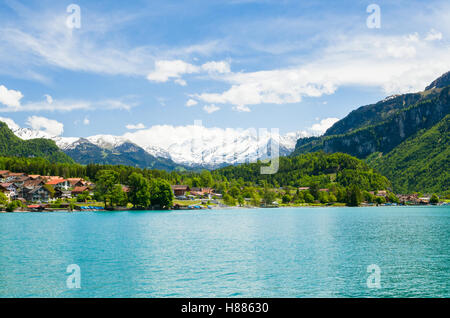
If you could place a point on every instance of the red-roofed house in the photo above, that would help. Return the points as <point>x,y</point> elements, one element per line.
<point>60,184</point>
<point>79,190</point>
<point>76,182</point>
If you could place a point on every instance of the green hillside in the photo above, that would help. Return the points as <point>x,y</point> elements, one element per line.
<point>11,145</point>
<point>308,169</point>
<point>421,163</point>
<point>384,135</point>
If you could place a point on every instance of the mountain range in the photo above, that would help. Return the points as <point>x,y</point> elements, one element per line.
<point>405,137</point>
<point>195,153</point>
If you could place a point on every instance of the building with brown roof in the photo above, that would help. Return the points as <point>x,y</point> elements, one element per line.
<point>179,190</point>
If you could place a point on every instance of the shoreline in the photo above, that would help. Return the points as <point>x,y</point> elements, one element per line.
<point>229,208</point>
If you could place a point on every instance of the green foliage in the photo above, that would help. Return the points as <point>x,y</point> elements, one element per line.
<point>206,179</point>
<point>11,145</point>
<point>286,198</point>
<point>229,200</point>
<point>268,196</point>
<point>161,194</point>
<point>312,169</point>
<point>104,187</point>
<point>434,199</point>
<point>308,198</point>
<point>387,132</point>
<point>139,193</point>
<point>421,163</point>
<point>13,205</point>
<point>353,196</point>
<point>118,197</point>
<point>3,199</point>
<point>380,200</point>
<point>83,197</point>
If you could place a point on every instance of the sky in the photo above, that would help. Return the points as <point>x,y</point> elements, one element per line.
<point>123,68</point>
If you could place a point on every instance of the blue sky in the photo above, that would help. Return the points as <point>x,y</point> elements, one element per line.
<point>283,64</point>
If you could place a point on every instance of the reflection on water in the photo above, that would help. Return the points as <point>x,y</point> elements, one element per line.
<point>314,252</point>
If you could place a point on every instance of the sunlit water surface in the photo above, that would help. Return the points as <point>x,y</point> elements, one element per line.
<point>293,252</point>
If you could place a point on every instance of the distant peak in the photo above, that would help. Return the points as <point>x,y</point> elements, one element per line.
<point>440,82</point>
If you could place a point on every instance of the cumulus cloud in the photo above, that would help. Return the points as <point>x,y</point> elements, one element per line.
<point>86,121</point>
<point>216,67</point>
<point>321,127</point>
<point>48,98</point>
<point>395,64</point>
<point>134,127</point>
<point>191,102</point>
<point>210,108</point>
<point>165,70</point>
<point>10,97</point>
<point>10,123</point>
<point>49,126</point>
<point>433,35</point>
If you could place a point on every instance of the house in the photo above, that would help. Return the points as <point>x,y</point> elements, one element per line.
<point>50,178</point>
<point>3,175</point>
<point>381,193</point>
<point>408,198</point>
<point>201,191</point>
<point>34,176</point>
<point>15,176</point>
<point>60,184</point>
<point>10,190</point>
<point>62,194</point>
<point>79,190</point>
<point>20,180</point>
<point>76,182</point>
<point>32,183</point>
<point>179,190</point>
<point>303,188</point>
<point>37,194</point>
<point>424,200</point>
<point>324,190</point>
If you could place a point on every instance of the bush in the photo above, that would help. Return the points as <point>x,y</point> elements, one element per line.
<point>286,198</point>
<point>14,205</point>
<point>434,199</point>
<point>309,198</point>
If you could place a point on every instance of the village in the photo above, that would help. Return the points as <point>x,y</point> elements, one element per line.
<point>49,193</point>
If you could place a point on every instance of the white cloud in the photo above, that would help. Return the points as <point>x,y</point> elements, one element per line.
<point>395,64</point>
<point>48,98</point>
<point>86,121</point>
<point>433,35</point>
<point>321,127</point>
<point>191,102</point>
<point>210,108</point>
<point>49,126</point>
<point>137,126</point>
<point>216,67</point>
<point>70,105</point>
<point>166,70</point>
<point>10,123</point>
<point>10,97</point>
<point>38,38</point>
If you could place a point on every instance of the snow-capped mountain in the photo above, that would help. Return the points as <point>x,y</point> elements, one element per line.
<point>205,150</point>
<point>28,133</point>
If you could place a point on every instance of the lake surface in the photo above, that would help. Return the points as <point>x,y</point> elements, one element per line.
<point>293,252</point>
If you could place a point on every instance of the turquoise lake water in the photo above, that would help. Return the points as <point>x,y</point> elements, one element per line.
<point>294,252</point>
